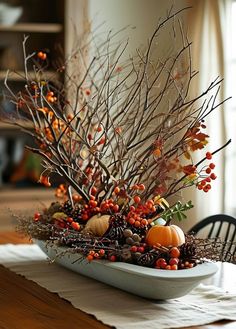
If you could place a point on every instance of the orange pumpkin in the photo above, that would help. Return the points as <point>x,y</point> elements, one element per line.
<point>167,236</point>
<point>97,225</point>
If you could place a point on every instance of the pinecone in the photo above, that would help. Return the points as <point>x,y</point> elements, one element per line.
<point>116,228</point>
<point>148,259</point>
<point>76,213</point>
<point>67,208</point>
<point>187,250</point>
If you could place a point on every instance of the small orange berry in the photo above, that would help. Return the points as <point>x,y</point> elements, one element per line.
<point>96,255</point>
<point>93,190</point>
<point>112,258</point>
<point>137,223</point>
<point>208,155</point>
<point>168,267</point>
<point>93,203</point>
<point>141,187</point>
<point>117,190</point>
<point>75,226</point>
<point>101,252</point>
<point>212,165</point>
<point>37,216</point>
<point>174,267</point>
<point>85,217</point>
<point>213,176</point>
<point>174,252</point>
<point>76,197</point>
<point>137,199</point>
<point>131,221</point>
<point>89,258</point>
<point>144,222</point>
<point>40,54</point>
<point>115,208</point>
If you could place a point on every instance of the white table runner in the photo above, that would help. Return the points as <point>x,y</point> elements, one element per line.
<point>205,304</point>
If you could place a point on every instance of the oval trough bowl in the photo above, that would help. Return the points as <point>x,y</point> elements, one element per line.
<point>142,281</point>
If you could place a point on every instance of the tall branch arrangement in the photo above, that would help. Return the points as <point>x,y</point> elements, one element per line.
<point>121,133</point>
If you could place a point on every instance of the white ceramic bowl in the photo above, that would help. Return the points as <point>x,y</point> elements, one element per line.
<point>142,281</point>
<point>9,15</point>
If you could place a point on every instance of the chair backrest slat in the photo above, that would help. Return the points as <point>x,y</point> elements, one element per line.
<point>227,232</point>
<point>217,229</point>
<point>210,234</point>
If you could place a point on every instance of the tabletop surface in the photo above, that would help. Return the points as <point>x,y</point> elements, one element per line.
<point>24,304</point>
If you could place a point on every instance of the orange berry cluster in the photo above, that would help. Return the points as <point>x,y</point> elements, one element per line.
<point>173,263</point>
<point>95,254</point>
<point>65,223</point>
<point>140,187</point>
<point>42,55</point>
<point>48,134</point>
<point>61,191</point>
<point>93,207</point>
<point>44,180</point>
<point>50,97</point>
<point>136,215</point>
<point>71,223</point>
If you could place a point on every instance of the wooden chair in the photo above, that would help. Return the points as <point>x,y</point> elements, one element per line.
<point>218,226</point>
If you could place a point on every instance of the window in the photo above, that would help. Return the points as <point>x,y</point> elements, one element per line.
<point>230,199</point>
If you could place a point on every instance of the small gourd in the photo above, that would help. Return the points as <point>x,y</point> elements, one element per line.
<point>97,225</point>
<point>165,235</point>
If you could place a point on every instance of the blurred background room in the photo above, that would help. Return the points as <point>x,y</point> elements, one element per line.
<point>54,27</point>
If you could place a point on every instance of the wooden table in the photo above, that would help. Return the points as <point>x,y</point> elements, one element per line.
<point>24,304</point>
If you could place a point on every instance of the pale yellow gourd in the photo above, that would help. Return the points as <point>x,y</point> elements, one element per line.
<point>97,225</point>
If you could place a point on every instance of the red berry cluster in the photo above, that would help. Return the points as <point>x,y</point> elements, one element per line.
<point>173,262</point>
<point>101,253</point>
<point>93,207</point>
<point>71,223</point>
<point>140,248</point>
<point>95,254</point>
<point>45,180</point>
<point>136,215</point>
<point>204,184</point>
<point>65,223</point>
<point>41,55</point>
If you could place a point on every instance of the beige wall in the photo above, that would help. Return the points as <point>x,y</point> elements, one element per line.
<point>140,16</point>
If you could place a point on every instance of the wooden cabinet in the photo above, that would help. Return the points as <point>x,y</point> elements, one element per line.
<point>50,25</point>
<point>44,22</point>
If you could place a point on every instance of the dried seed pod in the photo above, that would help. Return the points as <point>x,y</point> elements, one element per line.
<point>127,233</point>
<point>136,237</point>
<point>129,241</point>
